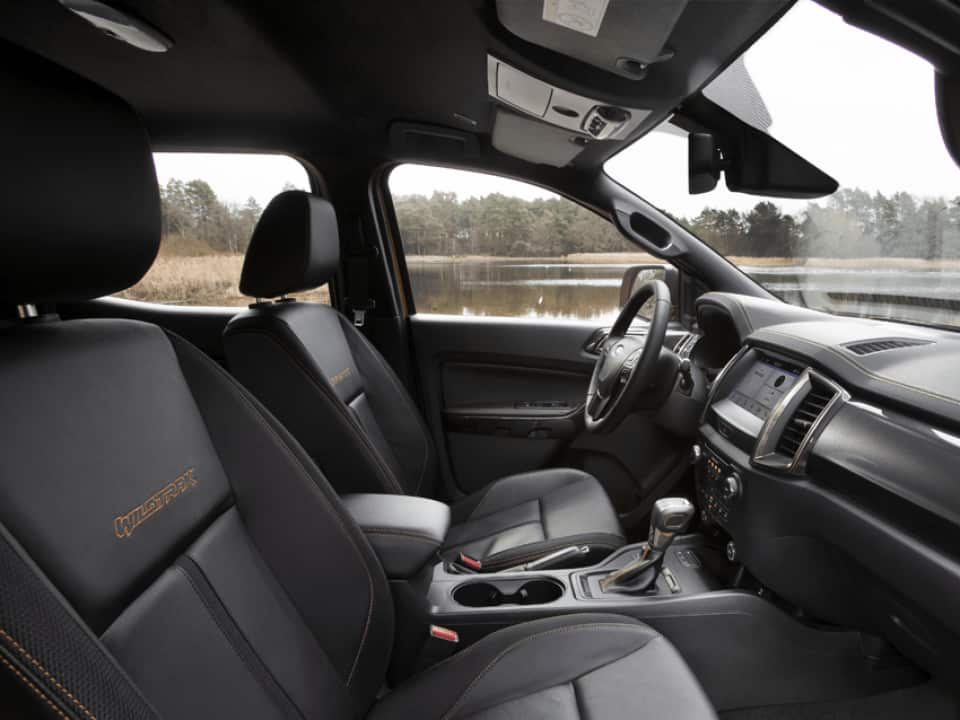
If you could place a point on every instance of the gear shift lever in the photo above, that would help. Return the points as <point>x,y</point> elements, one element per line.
<point>670,517</point>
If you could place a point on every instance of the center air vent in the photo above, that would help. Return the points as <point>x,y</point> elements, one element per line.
<point>802,421</point>
<point>875,346</point>
<point>794,425</point>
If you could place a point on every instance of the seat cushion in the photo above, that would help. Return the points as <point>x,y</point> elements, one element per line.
<point>577,666</point>
<point>522,517</point>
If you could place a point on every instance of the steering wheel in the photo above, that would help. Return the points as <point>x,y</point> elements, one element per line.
<point>625,368</point>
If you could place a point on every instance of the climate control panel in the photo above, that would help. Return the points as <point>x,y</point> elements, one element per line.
<point>719,487</point>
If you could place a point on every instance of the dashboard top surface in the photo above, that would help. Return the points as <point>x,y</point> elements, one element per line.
<point>909,367</point>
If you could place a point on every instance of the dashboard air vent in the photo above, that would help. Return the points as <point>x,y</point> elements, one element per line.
<point>801,422</point>
<point>875,346</point>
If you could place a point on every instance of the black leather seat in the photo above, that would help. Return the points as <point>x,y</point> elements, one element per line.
<point>167,549</point>
<point>332,389</point>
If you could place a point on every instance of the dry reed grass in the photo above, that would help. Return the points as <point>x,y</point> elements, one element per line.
<point>200,280</point>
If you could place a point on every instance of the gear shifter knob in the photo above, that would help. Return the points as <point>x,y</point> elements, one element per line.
<point>670,517</point>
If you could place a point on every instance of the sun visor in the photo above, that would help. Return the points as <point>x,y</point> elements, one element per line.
<point>619,36</point>
<point>532,140</point>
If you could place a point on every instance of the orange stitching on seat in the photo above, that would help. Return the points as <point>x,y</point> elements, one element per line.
<point>36,663</point>
<point>38,691</point>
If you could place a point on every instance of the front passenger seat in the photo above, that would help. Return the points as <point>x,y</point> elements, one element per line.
<point>332,389</point>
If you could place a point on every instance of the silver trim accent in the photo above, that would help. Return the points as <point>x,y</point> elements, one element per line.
<point>27,311</point>
<point>765,451</point>
<point>718,381</point>
<point>685,345</point>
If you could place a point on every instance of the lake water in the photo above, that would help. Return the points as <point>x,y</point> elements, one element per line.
<point>559,290</point>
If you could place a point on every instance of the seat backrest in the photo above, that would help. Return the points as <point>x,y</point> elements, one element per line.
<point>313,369</point>
<point>166,548</point>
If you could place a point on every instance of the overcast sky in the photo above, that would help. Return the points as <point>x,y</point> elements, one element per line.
<point>859,108</point>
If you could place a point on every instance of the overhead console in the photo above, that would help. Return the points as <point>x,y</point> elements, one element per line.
<point>573,120</point>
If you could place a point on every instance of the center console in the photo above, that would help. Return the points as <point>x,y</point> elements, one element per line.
<point>476,605</point>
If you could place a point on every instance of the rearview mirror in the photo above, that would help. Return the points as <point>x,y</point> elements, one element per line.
<point>703,162</point>
<point>752,162</point>
<point>634,277</point>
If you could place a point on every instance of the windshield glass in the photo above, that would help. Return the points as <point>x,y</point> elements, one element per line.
<point>887,243</point>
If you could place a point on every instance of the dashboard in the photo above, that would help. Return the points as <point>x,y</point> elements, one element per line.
<point>830,451</point>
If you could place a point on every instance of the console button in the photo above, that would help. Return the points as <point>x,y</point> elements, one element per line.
<point>732,488</point>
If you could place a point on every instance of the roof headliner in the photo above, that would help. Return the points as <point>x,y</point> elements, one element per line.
<point>316,78</point>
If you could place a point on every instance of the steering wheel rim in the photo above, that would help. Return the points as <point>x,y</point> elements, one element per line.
<point>626,364</point>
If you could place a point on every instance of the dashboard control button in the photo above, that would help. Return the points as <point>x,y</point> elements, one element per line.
<point>732,488</point>
<point>696,453</point>
<point>731,551</point>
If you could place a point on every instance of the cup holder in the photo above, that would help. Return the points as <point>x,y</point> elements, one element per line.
<point>532,592</point>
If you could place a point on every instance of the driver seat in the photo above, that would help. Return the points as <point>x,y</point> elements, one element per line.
<point>336,394</point>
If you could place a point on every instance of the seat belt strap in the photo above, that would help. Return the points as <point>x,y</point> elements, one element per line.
<point>51,652</point>
<point>359,255</point>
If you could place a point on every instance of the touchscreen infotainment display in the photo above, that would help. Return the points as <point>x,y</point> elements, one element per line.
<point>761,389</point>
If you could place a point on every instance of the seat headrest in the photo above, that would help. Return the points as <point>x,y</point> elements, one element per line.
<point>295,247</point>
<point>79,206</point>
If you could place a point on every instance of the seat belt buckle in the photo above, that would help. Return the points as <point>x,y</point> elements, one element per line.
<point>359,312</point>
<point>469,562</point>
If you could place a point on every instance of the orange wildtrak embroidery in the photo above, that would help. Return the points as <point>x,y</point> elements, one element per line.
<point>340,376</point>
<point>124,525</point>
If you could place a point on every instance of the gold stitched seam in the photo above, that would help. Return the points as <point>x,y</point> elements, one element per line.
<point>46,674</point>
<point>26,681</point>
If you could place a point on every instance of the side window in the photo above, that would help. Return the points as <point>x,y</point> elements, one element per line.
<point>210,204</point>
<point>478,244</point>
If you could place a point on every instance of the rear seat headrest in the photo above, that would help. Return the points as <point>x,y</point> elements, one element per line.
<point>79,206</point>
<point>295,247</point>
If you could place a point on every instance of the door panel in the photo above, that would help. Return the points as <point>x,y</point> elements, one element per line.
<point>526,414</point>
<point>506,395</point>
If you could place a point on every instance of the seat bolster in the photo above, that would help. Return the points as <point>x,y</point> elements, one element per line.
<point>523,517</point>
<point>513,490</point>
<point>299,527</point>
<point>396,414</point>
<point>269,357</point>
<point>556,667</point>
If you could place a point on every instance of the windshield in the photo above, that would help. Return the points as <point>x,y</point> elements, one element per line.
<point>887,243</point>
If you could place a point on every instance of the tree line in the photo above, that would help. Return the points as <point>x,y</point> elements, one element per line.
<point>194,221</point>
<point>850,223</point>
